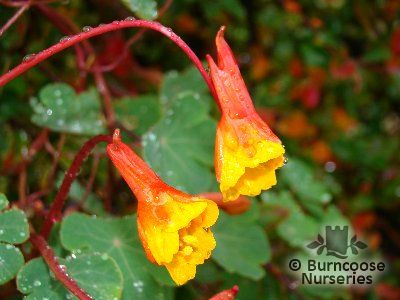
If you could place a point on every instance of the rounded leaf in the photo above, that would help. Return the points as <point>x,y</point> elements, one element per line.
<point>11,260</point>
<point>14,227</point>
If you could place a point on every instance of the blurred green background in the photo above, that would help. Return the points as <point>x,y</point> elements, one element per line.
<point>324,74</point>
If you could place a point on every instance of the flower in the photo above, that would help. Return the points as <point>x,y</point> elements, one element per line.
<point>174,227</point>
<point>247,151</point>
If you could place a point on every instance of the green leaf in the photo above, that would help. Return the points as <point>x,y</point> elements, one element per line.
<point>34,276</point>
<point>14,227</point>
<point>288,228</point>
<point>314,56</point>
<point>208,273</point>
<point>242,246</point>
<point>180,146</point>
<point>11,260</point>
<point>138,113</point>
<point>118,238</point>
<point>176,83</point>
<point>43,294</point>
<point>3,201</point>
<point>353,149</point>
<point>232,7</point>
<point>377,54</point>
<point>300,178</point>
<point>333,217</point>
<point>296,235</point>
<point>146,9</point>
<point>60,109</point>
<point>96,274</point>
<point>92,204</point>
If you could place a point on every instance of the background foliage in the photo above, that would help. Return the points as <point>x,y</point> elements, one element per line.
<point>324,74</point>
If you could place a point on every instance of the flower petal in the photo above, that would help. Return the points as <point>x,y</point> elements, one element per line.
<point>180,214</point>
<point>245,167</point>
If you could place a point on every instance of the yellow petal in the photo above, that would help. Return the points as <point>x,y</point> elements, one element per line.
<point>206,243</point>
<point>183,266</point>
<point>248,170</point>
<point>254,180</point>
<point>210,214</point>
<point>180,214</point>
<point>162,245</point>
<point>180,270</point>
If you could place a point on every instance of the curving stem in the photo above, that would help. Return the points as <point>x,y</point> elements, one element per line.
<point>34,59</point>
<point>54,214</point>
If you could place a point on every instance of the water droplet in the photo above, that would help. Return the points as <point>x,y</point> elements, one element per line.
<point>76,127</point>
<point>37,283</point>
<point>138,285</point>
<point>251,151</point>
<point>115,22</point>
<point>330,166</point>
<point>49,112</point>
<point>171,33</point>
<point>152,137</point>
<point>130,18</point>
<point>86,29</point>
<point>65,39</point>
<point>28,57</point>
<point>325,198</point>
<point>64,268</point>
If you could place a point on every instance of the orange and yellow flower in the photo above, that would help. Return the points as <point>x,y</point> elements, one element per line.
<point>247,151</point>
<point>174,227</point>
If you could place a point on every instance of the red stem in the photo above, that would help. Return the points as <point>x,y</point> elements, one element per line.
<point>51,260</point>
<point>116,25</point>
<point>90,182</point>
<point>54,214</point>
<point>107,100</point>
<point>131,41</point>
<point>14,18</point>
